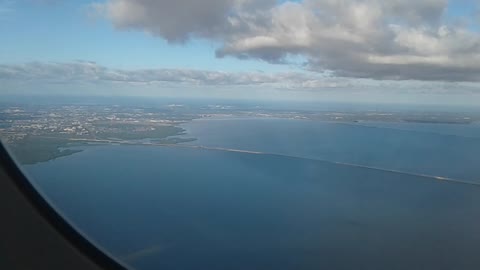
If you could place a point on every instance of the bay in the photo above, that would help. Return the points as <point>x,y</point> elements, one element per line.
<point>189,208</point>
<point>446,150</point>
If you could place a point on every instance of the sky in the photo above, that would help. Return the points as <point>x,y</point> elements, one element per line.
<point>405,51</point>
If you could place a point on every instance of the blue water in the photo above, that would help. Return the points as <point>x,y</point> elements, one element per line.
<point>181,208</point>
<point>437,150</point>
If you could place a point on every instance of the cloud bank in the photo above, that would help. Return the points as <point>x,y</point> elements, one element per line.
<point>84,71</point>
<point>376,39</point>
<point>77,73</point>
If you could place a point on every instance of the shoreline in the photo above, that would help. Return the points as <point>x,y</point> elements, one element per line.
<point>89,142</point>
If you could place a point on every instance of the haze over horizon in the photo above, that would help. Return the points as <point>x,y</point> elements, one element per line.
<point>349,51</point>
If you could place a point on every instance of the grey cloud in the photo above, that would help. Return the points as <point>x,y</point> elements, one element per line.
<point>177,20</point>
<point>174,20</point>
<point>72,74</point>
<point>378,39</point>
<point>82,71</point>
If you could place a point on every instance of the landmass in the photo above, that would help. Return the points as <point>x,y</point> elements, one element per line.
<point>42,132</point>
<point>31,149</point>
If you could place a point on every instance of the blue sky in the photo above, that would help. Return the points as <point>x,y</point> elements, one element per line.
<point>291,50</point>
<point>64,31</point>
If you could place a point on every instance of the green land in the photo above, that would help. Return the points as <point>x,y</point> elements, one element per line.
<point>34,149</point>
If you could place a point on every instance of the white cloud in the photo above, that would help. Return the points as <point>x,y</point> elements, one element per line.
<point>89,78</point>
<point>378,39</point>
<point>77,73</point>
<point>84,71</point>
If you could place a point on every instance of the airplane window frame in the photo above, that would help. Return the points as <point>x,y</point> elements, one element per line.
<point>11,175</point>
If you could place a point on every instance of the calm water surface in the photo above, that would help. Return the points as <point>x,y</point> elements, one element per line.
<point>433,149</point>
<point>180,208</point>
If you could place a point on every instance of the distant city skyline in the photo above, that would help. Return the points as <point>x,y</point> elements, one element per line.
<point>352,51</point>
